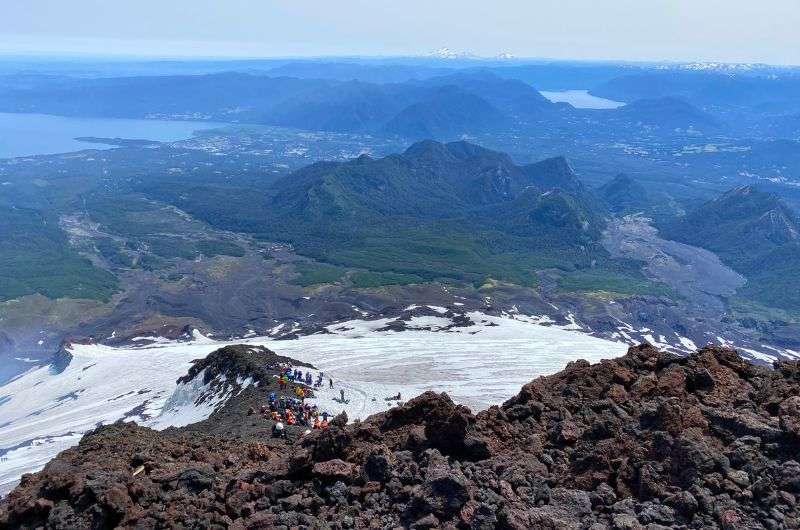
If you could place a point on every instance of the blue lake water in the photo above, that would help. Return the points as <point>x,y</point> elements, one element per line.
<point>43,134</point>
<point>581,99</point>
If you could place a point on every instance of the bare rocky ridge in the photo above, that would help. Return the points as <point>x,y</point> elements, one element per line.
<point>649,440</point>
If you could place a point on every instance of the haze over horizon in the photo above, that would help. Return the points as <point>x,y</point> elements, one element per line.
<point>663,30</point>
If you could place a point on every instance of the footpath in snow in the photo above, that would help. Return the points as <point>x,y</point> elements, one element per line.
<point>43,412</point>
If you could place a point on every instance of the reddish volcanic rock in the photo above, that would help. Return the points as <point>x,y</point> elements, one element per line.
<point>649,440</point>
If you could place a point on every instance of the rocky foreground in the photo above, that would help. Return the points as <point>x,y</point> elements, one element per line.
<point>648,440</point>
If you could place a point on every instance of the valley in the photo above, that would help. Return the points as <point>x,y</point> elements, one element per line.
<point>692,272</point>
<point>153,238</point>
<point>404,265</point>
<point>390,262</point>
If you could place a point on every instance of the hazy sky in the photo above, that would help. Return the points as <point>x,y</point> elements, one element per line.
<point>682,30</point>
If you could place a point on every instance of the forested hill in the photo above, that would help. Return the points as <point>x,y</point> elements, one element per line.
<point>756,234</point>
<point>444,106</point>
<point>437,210</point>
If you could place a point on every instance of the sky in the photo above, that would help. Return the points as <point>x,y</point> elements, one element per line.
<point>636,30</point>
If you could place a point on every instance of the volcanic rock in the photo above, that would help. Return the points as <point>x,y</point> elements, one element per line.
<point>649,440</point>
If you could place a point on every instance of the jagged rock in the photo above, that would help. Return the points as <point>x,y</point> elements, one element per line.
<point>333,470</point>
<point>789,413</point>
<point>377,467</point>
<point>648,440</point>
<point>444,492</point>
<point>238,361</point>
<point>425,522</point>
<point>447,426</point>
<point>61,359</point>
<point>196,479</point>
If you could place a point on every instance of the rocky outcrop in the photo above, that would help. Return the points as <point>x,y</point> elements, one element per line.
<point>61,359</point>
<point>648,440</point>
<point>239,361</point>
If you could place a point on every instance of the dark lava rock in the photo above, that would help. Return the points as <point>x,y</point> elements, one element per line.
<point>334,470</point>
<point>645,441</point>
<point>239,361</point>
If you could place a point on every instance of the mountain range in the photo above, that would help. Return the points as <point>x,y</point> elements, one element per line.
<point>763,93</point>
<point>436,203</point>
<point>756,234</point>
<point>623,194</point>
<point>667,112</point>
<point>443,107</point>
<point>459,212</point>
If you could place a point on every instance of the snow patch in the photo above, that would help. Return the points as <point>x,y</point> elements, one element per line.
<point>687,343</point>
<point>477,365</point>
<point>760,355</point>
<point>195,401</point>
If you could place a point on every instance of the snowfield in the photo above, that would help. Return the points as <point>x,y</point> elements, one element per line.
<point>43,412</point>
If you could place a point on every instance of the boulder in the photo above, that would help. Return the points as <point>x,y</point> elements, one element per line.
<point>334,470</point>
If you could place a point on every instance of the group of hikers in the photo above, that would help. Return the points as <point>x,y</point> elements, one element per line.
<point>295,410</point>
<point>290,375</point>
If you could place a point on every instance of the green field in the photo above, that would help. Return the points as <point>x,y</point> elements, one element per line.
<point>310,273</point>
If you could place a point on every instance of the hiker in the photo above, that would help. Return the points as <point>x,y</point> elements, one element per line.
<point>290,420</point>
<point>275,416</point>
<point>341,392</point>
<point>282,381</point>
<point>301,393</point>
<point>278,431</point>
<point>324,424</point>
<point>319,380</point>
<point>325,416</point>
<point>308,378</point>
<point>331,382</point>
<point>317,423</point>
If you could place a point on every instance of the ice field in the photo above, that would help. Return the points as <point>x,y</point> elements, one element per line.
<point>43,412</point>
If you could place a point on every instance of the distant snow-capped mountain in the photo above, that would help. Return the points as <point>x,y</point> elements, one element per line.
<point>716,67</point>
<point>447,53</point>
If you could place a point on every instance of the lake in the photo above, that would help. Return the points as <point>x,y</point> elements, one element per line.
<point>43,134</point>
<point>581,99</point>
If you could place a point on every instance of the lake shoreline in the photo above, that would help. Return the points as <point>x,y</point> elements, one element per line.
<point>581,99</point>
<point>29,134</point>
